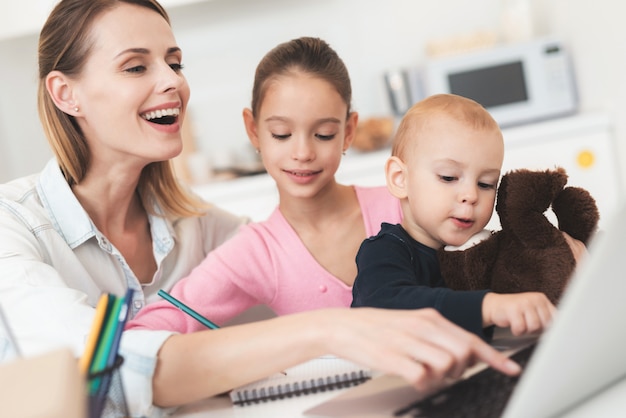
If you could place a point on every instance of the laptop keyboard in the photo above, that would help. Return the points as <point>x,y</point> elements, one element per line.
<point>482,395</point>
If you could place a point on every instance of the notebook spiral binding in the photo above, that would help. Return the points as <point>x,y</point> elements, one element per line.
<point>304,387</point>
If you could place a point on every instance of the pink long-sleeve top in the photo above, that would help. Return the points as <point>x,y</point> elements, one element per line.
<point>264,263</point>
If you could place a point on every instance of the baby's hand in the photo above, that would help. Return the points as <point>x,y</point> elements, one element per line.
<point>524,313</point>
<point>578,247</point>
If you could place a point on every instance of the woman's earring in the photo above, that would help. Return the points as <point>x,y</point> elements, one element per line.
<point>343,153</point>
<point>258,151</point>
<point>76,109</point>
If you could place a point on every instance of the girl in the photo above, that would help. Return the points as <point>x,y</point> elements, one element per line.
<point>302,257</point>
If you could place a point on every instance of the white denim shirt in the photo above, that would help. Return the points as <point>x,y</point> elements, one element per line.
<point>55,264</point>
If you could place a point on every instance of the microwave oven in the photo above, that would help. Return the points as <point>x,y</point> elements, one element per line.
<point>517,83</point>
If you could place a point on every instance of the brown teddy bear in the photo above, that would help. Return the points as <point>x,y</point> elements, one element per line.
<point>529,253</point>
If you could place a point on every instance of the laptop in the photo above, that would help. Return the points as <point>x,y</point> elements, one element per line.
<point>580,355</point>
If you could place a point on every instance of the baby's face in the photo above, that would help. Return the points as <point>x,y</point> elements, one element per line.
<point>452,173</point>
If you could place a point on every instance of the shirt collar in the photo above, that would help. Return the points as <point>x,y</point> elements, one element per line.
<point>65,211</point>
<point>72,221</point>
<point>163,235</point>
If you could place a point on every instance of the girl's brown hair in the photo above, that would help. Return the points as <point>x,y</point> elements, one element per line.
<point>310,55</point>
<point>65,45</point>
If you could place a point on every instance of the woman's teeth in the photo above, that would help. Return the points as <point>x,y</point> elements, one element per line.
<point>168,115</point>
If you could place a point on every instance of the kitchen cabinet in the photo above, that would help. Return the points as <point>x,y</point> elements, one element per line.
<point>582,144</point>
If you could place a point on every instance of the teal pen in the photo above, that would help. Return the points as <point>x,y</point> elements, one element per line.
<point>171,299</point>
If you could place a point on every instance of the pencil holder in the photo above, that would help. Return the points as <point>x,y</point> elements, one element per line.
<point>106,393</point>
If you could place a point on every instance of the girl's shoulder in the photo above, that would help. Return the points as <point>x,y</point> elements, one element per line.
<point>378,205</point>
<point>371,190</point>
<point>374,193</point>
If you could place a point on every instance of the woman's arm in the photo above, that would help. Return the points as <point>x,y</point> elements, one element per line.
<point>420,346</point>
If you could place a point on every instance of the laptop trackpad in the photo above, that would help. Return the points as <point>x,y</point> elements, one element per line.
<point>378,397</point>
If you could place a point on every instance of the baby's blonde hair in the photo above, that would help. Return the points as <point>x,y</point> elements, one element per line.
<point>456,107</point>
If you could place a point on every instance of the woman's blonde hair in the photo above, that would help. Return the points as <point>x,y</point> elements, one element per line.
<point>65,45</point>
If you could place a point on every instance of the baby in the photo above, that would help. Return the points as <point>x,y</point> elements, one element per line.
<point>445,167</point>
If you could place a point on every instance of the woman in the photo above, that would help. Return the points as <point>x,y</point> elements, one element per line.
<point>107,214</point>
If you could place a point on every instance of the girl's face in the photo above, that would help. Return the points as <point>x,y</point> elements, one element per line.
<point>301,132</point>
<point>131,94</point>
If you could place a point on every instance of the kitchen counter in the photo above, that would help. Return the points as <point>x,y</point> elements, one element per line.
<point>582,144</point>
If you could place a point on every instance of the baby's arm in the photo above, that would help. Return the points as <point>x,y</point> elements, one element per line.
<point>389,277</point>
<point>524,313</point>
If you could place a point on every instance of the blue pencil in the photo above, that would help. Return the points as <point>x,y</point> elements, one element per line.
<point>171,299</point>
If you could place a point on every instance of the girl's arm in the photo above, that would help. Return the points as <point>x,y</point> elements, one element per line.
<point>231,279</point>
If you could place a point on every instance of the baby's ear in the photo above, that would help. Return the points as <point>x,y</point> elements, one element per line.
<point>395,174</point>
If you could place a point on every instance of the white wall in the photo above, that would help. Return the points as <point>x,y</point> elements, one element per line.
<point>597,34</point>
<point>223,40</point>
<point>23,148</point>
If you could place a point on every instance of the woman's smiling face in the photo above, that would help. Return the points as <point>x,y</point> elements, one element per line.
<point>131,93</point>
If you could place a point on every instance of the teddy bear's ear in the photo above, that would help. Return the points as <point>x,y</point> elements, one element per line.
<point>522,191</point>
<point>523,198</point>
<point>577,213</point>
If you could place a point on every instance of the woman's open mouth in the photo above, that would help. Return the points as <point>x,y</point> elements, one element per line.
<point>162,117</point>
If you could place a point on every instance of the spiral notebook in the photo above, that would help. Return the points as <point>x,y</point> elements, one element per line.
<point>317,375</point>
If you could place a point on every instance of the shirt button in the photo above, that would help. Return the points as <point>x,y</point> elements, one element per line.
<point>104,243</point>
<point>323,288</point>
<point>137,304</point>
